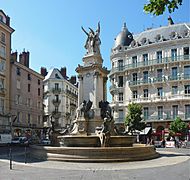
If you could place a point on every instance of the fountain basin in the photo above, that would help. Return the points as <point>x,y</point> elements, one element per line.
<point>79,141</point>
<point>94,141</point>
<point>94,154</point>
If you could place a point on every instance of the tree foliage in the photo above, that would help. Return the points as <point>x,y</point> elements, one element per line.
<point>158,7</point>
<point>133,119</point>
<point>178,126</point>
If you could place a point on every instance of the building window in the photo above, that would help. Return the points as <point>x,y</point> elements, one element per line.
<point>120,97</point>
<point>145,77</point>
<point>18,71</point>
<point>56,86</point>
<point>145,92</point>
<point>146,113</point>
<point>28,87</point>
<point>134,61</point>
<point>29,77</point>
<point>1,84</point>
<point>2,65</point>
<point>174,54</point>
<point>186,52</point>
<point>145,59</point>
<point>187,89</point>
<point>28,102</point>
<point>134,78</point>
<point>175,111</point>
<point>159,75</point>
<point>39,120</point>
<point>38,82</point>
<point>29,119</point>
<point>160,112</point>
<point>120,65</point>
<point>187,111</point>
<point>186,72</point>
<point>18,84</point>
<point>1,106</point>
<point>174,73</point>
<point>159,56</point>
<point>18,99</point>
<point>2,37</point>
<point>39,104</point>
<point>134,94</point>
<point>160,91</point>
<point>18,117</point>
<point>174,90</point>
<point>120,84</point>
<point>3,52</point>
<point>121,115</point>
<point>38,91</point>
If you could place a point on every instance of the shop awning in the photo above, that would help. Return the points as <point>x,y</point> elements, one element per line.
<point>145,131</point>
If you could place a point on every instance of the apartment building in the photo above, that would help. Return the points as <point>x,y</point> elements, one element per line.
<point>152,68</point>
<point>60,97</point>
<point>26,87</point>
<point>5,50</point>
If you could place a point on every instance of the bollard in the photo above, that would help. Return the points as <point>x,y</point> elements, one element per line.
<point>10,156</point>
<point>25,155</point>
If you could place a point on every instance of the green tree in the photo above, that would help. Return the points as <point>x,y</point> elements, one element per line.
<point>133,119</point>
<point>158,7</point>
<point>178,126</point>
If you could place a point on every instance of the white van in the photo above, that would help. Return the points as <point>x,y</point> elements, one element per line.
<point>5,138</point>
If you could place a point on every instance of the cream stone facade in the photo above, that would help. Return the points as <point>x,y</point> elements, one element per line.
<point>60,98</point>
<point>26,97</point>
<point>5,52</point>
<point>152,68</point>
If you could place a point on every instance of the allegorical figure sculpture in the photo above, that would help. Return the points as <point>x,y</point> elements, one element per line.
<point>93,42</point>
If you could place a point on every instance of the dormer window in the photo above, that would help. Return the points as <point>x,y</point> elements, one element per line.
<point>144,41</point>
<point>174,35</point>
<point>185,33</point>
<point>158,38</point>
<point>57,76</point>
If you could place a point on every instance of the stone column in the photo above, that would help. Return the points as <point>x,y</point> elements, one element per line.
<point>80,90</point>
<point>96,74</point>
<point>105,88</point>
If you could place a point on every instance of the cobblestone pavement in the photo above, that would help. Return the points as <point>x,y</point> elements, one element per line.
<point>170,165</point>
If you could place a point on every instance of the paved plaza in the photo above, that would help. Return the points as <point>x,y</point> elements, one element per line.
<point>172,164</point>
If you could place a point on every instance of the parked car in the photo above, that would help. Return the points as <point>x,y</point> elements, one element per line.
<point>46,142</point>
<point>20,141</point>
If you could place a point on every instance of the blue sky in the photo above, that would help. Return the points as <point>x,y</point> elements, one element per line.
<point>51,29</point>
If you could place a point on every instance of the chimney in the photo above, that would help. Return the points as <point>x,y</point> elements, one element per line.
<point>64,72</point>
<point>73,80</point>
<point>7,20</point>
<point>170,21</point>
<point>43,71</point>
<point>24,58</point>
<point>14,57</point>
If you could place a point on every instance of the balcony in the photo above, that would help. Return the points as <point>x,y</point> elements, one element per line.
<point>56,90</point>
<point>68,92</point>
<point>153,62</point>
<point>56,102</point>
<point>140,82</point>
<point>166,117</point>
<point>159,80</point>
<point>56,114</point>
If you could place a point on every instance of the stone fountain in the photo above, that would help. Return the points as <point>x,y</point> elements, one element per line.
<point>93,137</point>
